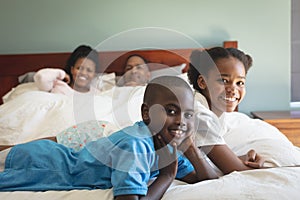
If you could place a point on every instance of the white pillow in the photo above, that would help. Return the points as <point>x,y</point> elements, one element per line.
<point>168,71</point>
<point>244,133</point>
<point>27,77</point>
<point>104,81</point>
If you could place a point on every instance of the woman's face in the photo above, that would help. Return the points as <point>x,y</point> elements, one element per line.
<point>226,85</point>
<point>83,73</point>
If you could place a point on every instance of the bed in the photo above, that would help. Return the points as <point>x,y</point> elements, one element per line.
<point>29,114</point>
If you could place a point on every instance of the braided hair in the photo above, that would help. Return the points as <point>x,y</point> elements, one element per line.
<point>201,62</point>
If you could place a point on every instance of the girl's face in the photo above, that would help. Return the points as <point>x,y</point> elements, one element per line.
<point>226,85</point>
<point>83,73</point>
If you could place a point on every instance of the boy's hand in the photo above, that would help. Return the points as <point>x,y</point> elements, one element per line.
<point>254,160</point>
<point>167,162</point>
<point>186,143</point>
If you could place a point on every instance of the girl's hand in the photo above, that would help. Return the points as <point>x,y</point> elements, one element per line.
<point>254,160</point>
<point>167,162</point>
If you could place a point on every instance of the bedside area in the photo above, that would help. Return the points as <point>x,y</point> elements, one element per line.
<point>288,122</point>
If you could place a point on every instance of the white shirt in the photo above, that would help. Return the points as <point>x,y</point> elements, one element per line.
<point>209,129</point>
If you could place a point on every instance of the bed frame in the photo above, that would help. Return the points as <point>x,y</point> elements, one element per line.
<point>13,66</point>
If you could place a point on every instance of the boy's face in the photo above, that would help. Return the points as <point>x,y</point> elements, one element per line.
<point>171,116</point>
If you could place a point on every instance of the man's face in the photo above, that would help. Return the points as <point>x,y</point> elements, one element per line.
<point>136,72</point>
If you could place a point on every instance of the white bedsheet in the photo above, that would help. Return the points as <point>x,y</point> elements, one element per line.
<point>273,184</point>
<point>267,184</point>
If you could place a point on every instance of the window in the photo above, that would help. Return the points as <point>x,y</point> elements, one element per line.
<point>295,51</point>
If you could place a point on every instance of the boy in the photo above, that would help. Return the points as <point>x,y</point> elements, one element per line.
<point>124,161</point>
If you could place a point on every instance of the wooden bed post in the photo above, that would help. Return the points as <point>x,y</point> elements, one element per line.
<point>230,44</point>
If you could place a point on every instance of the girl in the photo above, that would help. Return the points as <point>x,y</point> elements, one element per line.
<point>219,74</point>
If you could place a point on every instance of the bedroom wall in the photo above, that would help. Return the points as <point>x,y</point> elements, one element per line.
<point>261,27</point>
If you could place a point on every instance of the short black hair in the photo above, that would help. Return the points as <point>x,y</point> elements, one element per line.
<point>134,55</point>
<point>155,86</point>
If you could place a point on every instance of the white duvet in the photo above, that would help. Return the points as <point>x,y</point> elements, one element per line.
<point>38,114</point>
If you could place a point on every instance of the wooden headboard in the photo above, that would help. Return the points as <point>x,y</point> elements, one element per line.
<point>13,66</point>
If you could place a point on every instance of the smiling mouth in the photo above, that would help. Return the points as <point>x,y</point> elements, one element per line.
<point>230,99</point>
<point>177,133</point>
<point>82,78</point>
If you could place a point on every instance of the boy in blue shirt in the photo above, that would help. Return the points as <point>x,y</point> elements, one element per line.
<point>124,161</point>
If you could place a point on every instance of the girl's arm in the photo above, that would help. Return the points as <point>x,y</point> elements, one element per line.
<point>209,137</point>
<point>252,159</point>
<point>227,161</point>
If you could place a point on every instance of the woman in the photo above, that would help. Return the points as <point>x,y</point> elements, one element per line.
<point>81,68</point>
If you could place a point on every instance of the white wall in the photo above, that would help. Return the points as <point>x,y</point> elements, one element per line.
<point>295,47</point>
<point>262,28</point>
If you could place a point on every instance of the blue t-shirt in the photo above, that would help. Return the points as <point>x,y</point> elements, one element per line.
<point>124,161</point>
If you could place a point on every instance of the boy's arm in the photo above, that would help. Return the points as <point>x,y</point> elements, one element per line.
<point>167,171</point>
<point>3,147</point>
<point>155,191</point>
<point>203,170</point>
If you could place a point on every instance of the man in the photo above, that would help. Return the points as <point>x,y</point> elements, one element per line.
<point>136,71</point>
